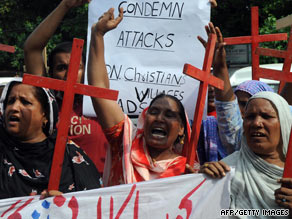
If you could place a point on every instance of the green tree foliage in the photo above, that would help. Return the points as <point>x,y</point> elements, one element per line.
<point>18,18</point>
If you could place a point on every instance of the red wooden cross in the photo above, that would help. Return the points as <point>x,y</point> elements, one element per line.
<point>288,162</point>
<point>7,48</point>
<point>70,88</point>
<point>254,40</point>
<point>205,78</point>
<point>284,75</point>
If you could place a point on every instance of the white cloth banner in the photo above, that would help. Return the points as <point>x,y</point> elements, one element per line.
<point>182,197</point>
<point>146,53</point>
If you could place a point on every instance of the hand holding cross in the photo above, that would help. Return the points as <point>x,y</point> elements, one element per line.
<point>205,78</point>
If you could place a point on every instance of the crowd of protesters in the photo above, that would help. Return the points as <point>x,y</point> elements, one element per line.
<point>247,128</point>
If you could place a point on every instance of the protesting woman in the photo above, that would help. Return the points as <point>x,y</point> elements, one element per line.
<point>27,141</point>
<point>260,161</point>
<point>153,149</point>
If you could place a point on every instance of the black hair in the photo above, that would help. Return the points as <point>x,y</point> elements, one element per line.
<point>180,108</point>
<point>39,95</point>
<point>64,47</point>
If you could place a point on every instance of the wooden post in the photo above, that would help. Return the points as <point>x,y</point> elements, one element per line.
<point>7,48</point>
<point>283,76</point>
<point>205,77</point>
<point>255,39</point>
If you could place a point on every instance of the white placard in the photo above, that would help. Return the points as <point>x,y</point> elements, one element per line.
<point>187,196</point>
<point>146,53</point>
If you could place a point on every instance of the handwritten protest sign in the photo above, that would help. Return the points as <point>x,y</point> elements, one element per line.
<point>146,53</point>
<point>194,196</point>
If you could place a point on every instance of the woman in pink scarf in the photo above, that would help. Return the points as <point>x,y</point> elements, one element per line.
<point>153,149</point>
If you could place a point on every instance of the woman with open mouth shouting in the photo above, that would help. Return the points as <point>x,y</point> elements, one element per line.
<point>153,149</point>
<point>259,164</point>
<point>27,141</point>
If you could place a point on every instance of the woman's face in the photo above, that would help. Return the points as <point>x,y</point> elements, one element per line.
<point>61,64</point>
<point>262,128</point>
<point>24,115</point>
<point>162,124</point>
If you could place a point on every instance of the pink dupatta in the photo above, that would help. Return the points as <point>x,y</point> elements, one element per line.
<point>137,164</point>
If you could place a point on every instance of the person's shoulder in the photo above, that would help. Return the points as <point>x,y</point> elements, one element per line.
<point>231,159</point>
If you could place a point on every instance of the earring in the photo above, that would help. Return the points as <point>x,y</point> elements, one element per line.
<point>44,125</point>
<point>182,139</point>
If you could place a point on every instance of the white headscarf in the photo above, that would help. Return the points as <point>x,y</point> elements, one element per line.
<point>284,114</point>
<point>255,180</point>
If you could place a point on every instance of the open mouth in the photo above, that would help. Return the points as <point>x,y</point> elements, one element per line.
<point>158,132</point>
<point>13,119</point>
<point>257,134</point>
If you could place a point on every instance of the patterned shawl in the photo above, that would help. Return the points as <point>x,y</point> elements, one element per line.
<point>253,86</point>
<point>210,147</point>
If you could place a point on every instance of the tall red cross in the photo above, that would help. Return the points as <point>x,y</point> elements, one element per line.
<point>70,88</point>
<point>7,48</point>
<point>283,76</point>
<point>288,162</point>
<point>254,40</point>
<point>205,77</point>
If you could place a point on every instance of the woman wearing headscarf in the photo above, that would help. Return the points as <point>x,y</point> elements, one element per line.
<point>260,161</point>
<point>84,130</point>
<point>230,113</point>
<point>212,146</point>
<point>220,136</point>
<point>153,149</point>
<point>27,141</point>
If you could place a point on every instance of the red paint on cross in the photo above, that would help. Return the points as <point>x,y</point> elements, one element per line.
<point>205,78</point>
<point>288,162</point>
<point>283,76</point>
<point>254,40</point>
<point>70,88</point>
<point>7,48</point>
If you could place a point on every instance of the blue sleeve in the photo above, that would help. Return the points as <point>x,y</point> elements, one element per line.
<point>291,109</point>
<point>229,124</point>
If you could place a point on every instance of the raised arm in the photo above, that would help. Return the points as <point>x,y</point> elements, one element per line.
<point>108,112</point>
<point>220,69</point>
<point>39,38</point>
<point>213,3</point>
<point>228,112</point>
